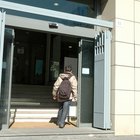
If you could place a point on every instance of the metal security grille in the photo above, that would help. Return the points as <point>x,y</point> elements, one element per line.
<point>101,105</point>
<point>99,44</point>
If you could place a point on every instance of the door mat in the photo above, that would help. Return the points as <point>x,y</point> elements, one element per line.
<point>37,125</point>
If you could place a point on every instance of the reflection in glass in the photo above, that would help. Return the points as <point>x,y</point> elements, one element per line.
<point>72,7</point>
<point>6,78</point>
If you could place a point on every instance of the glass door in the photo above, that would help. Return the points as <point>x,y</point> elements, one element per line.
<point>6,78</point>
<point>85,85</point>
<point>2,28</point>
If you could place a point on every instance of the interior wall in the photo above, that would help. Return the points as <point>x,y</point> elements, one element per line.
<point>29,54</point>
<point>55,57</point>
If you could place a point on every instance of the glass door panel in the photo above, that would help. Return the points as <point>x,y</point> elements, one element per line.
<point>86,59</point>
<point>6,78</point>
<point>2,28</point>
<point>83,8</point>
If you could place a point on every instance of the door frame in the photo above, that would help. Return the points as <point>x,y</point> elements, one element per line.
<point>5,98</point>
<point>26,23</point>
<point>2,30</point>
<point>80,57</point>
<point>55,14</point>
<point>43,25</point>
<point>7,67</point>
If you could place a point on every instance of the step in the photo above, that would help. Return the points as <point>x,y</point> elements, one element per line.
<point>32,120</point>
<point>35,88</point>
<point>34,111</point>
<point>33,115</point>
<point>33,99</point>
<point>33,105</point>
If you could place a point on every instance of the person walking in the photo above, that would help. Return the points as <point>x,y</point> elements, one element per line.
<point>64,103</point>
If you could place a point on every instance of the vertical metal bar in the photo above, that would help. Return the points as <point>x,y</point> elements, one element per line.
<point>10,78</point>
<point>107,58</point>
<point>95,45</point>
<point>100,45</point>
<point>2,28</point>
<point>102,42</point>
<point>79,84</point>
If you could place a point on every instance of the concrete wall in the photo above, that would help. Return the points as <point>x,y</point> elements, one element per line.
<point>125,66</point>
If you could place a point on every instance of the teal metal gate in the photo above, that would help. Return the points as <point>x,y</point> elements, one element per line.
<point>101,107</point>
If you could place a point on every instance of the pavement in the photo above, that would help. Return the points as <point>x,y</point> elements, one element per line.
<point>61,134</point>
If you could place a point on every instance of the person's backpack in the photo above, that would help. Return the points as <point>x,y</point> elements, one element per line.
<point>64,90</point>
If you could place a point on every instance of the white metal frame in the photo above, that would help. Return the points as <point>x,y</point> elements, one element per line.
<point>102,80</point>
<point>2,27</point>
<point>50,13</point>
<point>55,14</point>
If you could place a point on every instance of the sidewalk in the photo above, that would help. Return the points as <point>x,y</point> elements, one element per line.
<point>62,134</point>
<point>54,131</point>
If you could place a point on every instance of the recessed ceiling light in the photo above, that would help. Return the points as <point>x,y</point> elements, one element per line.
<point>70,47</point>
<point>56,4</point>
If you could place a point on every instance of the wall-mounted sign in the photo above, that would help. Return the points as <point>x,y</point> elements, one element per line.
<point>119,23</point>
<point>85,71</point>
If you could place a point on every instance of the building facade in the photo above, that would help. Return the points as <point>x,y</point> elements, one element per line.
<point>113,26</point>
<point>125,65</point>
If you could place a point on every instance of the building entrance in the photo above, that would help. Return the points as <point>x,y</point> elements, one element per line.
<point>28,62</point>
<point>38,59</point>
<point>46,65</point>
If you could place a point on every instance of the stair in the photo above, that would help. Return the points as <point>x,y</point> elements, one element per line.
<point>33,115</point>
<point>32,103</point>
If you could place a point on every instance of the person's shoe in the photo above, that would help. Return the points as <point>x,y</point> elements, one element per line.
<point>57,123</point>
<point>61,125</point>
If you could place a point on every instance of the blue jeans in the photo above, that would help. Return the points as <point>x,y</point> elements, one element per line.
<point>63,112</point>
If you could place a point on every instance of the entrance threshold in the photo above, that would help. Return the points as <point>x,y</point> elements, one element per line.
<point>55,132</point>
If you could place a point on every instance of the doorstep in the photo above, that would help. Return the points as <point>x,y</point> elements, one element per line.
<point>55,131</point>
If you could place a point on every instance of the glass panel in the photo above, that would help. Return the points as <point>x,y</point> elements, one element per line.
<point>76,8</point>
<point>87,82</point>
<point>2,28</point>
<point>6,77</point>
